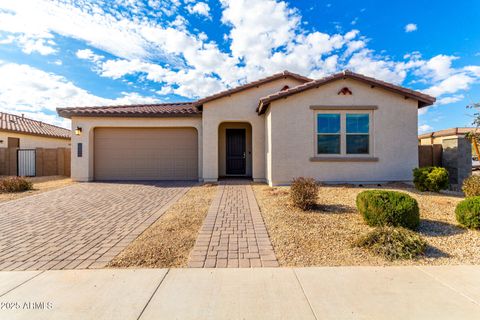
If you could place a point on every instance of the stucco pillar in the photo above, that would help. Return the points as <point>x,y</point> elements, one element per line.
<point>258,151</point>
<point>210,152</point>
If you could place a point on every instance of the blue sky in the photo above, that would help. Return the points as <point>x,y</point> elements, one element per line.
<point>76,53</point>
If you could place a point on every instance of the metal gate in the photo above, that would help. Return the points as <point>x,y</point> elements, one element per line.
<point>26,162</point>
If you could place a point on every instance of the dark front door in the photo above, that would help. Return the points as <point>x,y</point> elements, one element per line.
<point>236,151</point>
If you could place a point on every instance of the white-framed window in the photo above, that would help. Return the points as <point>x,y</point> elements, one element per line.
<point>343,133</point>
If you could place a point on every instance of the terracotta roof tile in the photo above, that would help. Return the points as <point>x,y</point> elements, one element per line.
<point>423,99</point>
<point>20,124</point>
<point>181,109</point>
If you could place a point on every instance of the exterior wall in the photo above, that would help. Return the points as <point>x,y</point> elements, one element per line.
<point>222,146</point>
<point>238,107</point>
<point>28,141</point>
<point>395,140</point>
<point>82,168</point>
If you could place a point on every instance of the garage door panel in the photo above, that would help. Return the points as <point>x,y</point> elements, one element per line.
<point>146,154</point>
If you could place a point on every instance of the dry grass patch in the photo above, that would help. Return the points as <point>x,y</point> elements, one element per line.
<point>324,235</point>
<point>168,242</point>
<point>40,184</point>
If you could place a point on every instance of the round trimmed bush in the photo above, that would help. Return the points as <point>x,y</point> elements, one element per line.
<point>388,208</point>
<point>468,212</point>
<point>430,179</point>
<point>304,193</point>
<point>393,243</point>
<point>471,186</point>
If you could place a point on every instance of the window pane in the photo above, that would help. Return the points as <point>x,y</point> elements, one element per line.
<point>328,123</point>
<point>357,123</point>
<point>328,144</point>
<point>357,143</point>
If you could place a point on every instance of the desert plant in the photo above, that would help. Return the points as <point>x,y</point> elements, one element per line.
<point>388,208</point>
<point>471,186</point>
<point>430,178</point>
<point>468,212</point>
<point>392,243</point>
<point>304,193</point>
<point>15,184</point>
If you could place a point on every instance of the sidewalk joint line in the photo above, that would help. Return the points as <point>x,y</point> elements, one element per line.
<point>21,284</point>
<point>153,294</point>
<point>305,294</point>
<point>448,286</point>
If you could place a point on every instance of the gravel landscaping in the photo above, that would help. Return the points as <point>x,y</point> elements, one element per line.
<point>324,236</point>
<point>168,242</point>
<point>40,184</point>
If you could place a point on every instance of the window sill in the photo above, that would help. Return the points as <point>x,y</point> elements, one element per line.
<point>344,159</point>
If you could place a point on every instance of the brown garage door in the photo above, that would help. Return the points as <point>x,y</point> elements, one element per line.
<point>146,154</point>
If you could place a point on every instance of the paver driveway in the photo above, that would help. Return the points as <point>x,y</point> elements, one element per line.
<point>81,226</point>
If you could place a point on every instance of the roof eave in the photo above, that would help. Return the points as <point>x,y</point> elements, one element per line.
<point>38,134</point>
<point>129,115</point>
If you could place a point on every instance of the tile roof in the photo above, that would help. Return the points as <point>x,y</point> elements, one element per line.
<point>20,124</point>
<point>181,109</point>
<point>447,132</point>
<point>276,76</point>
<point>423,99</point>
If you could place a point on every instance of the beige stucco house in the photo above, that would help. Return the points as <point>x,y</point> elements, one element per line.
<point>24,133</point>
<point>342,128</point>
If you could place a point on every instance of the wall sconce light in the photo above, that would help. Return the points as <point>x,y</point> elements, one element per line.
<point>78,131</point>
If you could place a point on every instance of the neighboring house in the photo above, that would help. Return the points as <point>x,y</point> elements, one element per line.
<point>343,128</point>
<point>20,132</point>
<point>438,136</point>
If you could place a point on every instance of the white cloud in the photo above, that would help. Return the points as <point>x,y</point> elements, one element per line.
<point>87,54</point>
<point>411,27</point>
<point>200,8</point>
<point>452,84</point>
<point>42,46</point>
<point>424,128</point>
<point>473,70</point>
<point>365,62</point>
<point>190,64</point>
<point>437,68</point>
<point>450,99</point>
<point>25,89</point>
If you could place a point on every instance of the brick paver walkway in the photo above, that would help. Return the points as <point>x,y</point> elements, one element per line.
<point>81,226</point>
<point>233,233</point>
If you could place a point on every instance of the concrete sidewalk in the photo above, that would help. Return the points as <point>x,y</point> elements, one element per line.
<point>450,292</point>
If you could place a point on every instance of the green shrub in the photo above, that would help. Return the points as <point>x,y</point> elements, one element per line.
<point>388,208</point>
<point>15,184</point>
<point>304,193</point>
<point>430,178</point>
<point>471,186</point>
<point>468,212</point>
<point>393,243</point>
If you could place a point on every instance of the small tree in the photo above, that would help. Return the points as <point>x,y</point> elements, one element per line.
<point>474,136</point>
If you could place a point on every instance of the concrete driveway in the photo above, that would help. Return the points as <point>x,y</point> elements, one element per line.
<point>81,226</point>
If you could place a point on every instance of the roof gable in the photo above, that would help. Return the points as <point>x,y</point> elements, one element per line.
<point>277,76</point>
<point>423,99</point>
<point>19,124</point>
